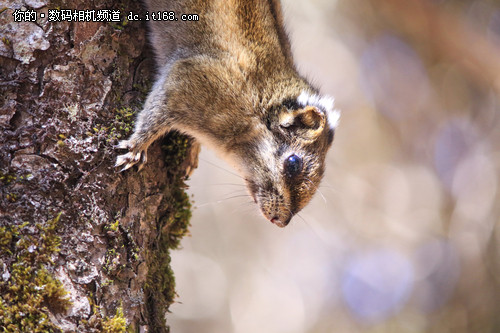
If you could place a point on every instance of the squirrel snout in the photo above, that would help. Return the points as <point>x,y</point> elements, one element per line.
<point>281,222</point>
<point>277,216</point>
<point>274,207</point>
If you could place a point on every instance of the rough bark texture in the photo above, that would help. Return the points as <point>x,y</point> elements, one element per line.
<point>83,248</point>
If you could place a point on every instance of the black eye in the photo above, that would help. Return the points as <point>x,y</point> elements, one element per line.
<point>293,166</point>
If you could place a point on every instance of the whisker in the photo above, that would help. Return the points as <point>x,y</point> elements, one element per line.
<point>329,186</point>
<point>217,202</point>
<point>300,216</point>
<point>208,204</point>
<point>243,210</point>
<point>303,219</point>
<point>310,227</point>
<point>237,196</point>
<point>317,189</point>
<point>251,202</point>
<point>244,207</point>
<point>240,191</point>
<point>219,184</point>
<point>219,167</point>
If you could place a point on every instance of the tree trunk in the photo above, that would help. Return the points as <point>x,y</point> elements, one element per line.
<point>83,248</point>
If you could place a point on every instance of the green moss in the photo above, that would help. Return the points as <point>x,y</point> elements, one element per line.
<point>98,323</point>
<point>143,88</point>
<point>12,197</point>
<point>123,124</point>
<point>177,224</point>
<point>30,292</point>
<point>115,324</point>
<point>160,285</point>
<point>112,263</point>
<point>113,226</point>
<point>176,146</point>
<point>8,178</point>
<point>117,26</point>
<point>107,282</point>
<point>122,249</point>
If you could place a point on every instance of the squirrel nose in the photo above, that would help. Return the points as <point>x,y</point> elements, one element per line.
<point>280,223</point>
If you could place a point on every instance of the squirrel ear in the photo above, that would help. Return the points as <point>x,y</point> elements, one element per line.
<point>310,119</point>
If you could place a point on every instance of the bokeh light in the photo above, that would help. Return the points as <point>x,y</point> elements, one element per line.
<point>376,285</point>
<point>405,234</point>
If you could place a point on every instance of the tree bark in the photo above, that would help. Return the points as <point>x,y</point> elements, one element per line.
<point>83,248</point>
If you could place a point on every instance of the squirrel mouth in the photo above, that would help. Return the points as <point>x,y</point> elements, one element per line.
<point>279,222</point>
<point>274,214</point>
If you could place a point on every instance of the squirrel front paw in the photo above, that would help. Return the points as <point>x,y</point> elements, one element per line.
<point>134,156</point>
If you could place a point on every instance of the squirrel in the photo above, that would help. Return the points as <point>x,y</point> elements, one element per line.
<point>229,81</point>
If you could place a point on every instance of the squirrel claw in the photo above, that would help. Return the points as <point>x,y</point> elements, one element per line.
<point>130,159</point>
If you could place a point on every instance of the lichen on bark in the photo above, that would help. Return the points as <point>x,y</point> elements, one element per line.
<point>64,107</point>
<point>30,293</point>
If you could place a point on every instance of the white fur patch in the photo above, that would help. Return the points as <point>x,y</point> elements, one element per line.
<point>323,103</point>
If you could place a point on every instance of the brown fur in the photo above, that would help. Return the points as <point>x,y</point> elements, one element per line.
<point>229,81</point>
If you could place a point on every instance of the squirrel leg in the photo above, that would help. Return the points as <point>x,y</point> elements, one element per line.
<point>152,122</point>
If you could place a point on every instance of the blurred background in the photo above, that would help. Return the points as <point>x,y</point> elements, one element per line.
<point>404,236</point>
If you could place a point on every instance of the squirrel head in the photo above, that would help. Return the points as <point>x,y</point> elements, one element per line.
<point>286,163</point>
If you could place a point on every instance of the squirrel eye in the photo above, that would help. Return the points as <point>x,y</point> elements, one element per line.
<point>293,165</point>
